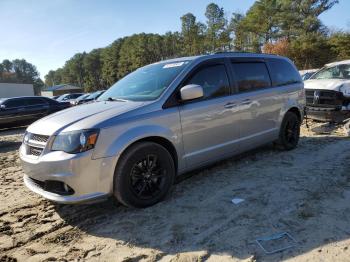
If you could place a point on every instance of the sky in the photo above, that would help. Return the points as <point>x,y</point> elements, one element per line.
<point>48,32</point>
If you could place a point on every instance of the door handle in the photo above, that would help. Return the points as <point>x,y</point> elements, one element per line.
<point>230,105</point>
<point>246,102</point>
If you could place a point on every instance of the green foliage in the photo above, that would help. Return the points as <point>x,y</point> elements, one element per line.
<point>289,27</point>
<point>139,50</point>
<point>20,71</point>
<point>92,65</point>
<point>192,34</point>
<point>340,45</point>
<point>110,60</point>
<point>217,35</point>
<point>311,50</point>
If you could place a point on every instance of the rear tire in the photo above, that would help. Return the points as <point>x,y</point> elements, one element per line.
<point>289,132</point>
<point>144,175</point>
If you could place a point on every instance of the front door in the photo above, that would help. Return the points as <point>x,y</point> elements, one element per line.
<point>208,124</point>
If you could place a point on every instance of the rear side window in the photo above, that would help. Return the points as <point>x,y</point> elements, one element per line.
<point>213,79</point>
<point>283,73</point>
<point>251,76</point>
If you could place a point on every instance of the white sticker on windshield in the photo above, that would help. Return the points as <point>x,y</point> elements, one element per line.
<point>173,65</point>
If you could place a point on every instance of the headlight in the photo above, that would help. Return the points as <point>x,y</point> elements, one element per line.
<point>345,89</point>
<point>75,142</point>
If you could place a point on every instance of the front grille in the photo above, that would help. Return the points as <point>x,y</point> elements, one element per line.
<point>35,151</point>
<point>35,143</point>
<point>39,138</point>
<point>324,98</point>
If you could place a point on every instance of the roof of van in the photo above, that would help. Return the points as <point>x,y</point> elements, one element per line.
<point>219,55</point>
<point>339,63</point>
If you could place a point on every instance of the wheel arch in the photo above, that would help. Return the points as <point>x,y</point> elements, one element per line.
<point>160,141</point>
<point>296,111</point>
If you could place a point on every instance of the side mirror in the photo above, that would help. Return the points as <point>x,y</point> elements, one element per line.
<point>190,92</point>
<point>2,107</point>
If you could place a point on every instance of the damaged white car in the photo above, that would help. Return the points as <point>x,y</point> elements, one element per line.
<point>328,93</point>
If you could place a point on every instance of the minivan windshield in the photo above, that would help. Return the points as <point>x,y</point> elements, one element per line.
<point>341,71</point>
<point>146,83</point>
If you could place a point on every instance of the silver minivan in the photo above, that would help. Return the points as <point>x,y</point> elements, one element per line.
<point>160,121</point>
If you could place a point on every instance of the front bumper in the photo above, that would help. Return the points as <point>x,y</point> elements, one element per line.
<point>90,179</point>
<point>327,114</point>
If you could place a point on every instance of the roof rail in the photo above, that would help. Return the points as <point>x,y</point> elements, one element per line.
<point>233,52</point>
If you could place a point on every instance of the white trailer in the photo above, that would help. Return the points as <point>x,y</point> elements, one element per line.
<point>13,90</point>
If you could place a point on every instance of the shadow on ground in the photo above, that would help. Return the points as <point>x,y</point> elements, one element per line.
<point>304,192</point>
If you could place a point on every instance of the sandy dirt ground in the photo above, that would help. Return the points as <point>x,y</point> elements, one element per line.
<point>305,192</point>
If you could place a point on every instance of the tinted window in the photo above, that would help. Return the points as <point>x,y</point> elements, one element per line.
<point>213,79</point>
<point>283,73</point>
<point>251,76</point>
<point>73,96</point>
<point>14,103</point>
<point>35,101</point>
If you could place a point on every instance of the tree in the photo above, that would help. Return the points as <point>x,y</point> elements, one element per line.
<point>261,20</point>
<point>20,71</point>
<point>311,51</point>
<point>299,17</point>
<point>285,27</point>
<point>7,65</point>
<point>110,59</point>
<point>139,50</point>
<point>193,34</point>
<point>172,43</point>
<point>217,35</point>
<point>280,47</point>
<point>340,45</point>
<point>93,74</point>
<point>236,28</point>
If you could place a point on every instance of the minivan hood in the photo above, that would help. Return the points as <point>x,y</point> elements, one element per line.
<point>326,84</point>
<point>82,117</point>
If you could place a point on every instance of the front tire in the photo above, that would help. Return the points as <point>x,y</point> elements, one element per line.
<point>144,175</point>
<point>289,132</point>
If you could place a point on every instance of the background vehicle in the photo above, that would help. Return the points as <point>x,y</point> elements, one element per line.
<point>162,120</point>
<point>80,98</point>
<point>89,98</point>
<point>306,74</point>
<point>68,97</point>
<point>328,93</point>
<point>25,110</point>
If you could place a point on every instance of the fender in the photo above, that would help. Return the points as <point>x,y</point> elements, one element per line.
<point>117,146</point>
<point>297,102</point>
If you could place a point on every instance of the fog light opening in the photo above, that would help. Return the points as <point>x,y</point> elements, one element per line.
<point>65,186</point>
<point>58,187</point>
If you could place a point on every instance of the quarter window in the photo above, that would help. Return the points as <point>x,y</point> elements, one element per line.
<point>251,76</point>
<point>213,79</point>
<point>283,73</point>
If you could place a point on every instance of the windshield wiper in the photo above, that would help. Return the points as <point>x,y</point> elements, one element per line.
<point>116,99</point>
